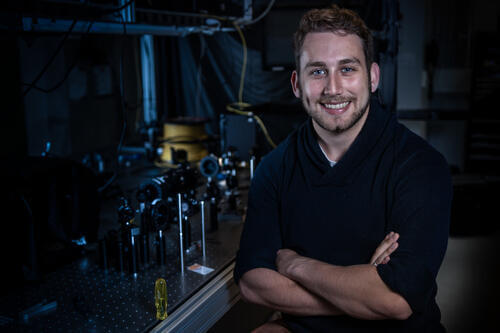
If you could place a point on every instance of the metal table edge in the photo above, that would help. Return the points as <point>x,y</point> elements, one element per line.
<point>204,308</point>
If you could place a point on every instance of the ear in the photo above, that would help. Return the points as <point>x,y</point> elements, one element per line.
<point>295,84</point>
<point>374,76</point>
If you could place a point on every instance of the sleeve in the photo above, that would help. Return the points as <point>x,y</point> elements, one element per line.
<point>261,236</point>
<point>421,215</point>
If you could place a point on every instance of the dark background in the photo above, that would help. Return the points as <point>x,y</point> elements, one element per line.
<point>440,73</point>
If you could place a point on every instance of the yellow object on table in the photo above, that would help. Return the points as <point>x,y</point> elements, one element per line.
<point>161,299</point>
<point>184,134</point>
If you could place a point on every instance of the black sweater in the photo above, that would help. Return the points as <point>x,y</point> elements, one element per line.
<point>389,180</point>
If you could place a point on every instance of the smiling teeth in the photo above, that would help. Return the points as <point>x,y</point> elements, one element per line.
<point>336,106</point>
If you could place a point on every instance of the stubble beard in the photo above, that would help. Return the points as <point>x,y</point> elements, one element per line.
<point>319,116</point>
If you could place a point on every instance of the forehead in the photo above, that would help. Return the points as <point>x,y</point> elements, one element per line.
<point>331,47</point>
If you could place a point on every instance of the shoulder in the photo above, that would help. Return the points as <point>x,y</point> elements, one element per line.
<point>274,162</point>
<point>414,155</point>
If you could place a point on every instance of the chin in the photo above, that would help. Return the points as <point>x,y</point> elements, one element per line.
<point>340,124</point>
<point>331,127</point>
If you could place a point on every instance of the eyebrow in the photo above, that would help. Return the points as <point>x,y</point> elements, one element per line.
<point>350,61</point>
<point>345,61</point>
<point>315,64</point>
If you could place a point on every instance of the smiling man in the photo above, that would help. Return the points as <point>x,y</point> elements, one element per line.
<point>335,85</point>
<point>330,205</point>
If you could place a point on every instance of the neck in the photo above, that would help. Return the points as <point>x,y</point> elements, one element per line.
<point>335,145</point>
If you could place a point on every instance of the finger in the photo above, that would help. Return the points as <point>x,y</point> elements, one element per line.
<point>386,260</point>
<point>384,245</point>
<point>391,248</point>
<point>381,248</point>
<point>386,253</point>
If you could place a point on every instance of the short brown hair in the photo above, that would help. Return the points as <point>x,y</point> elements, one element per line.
<point>337,20</point>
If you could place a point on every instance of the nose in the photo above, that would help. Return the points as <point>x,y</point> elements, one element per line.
<point>333,85</point>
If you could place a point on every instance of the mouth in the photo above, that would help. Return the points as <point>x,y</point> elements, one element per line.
<point>335,108</point>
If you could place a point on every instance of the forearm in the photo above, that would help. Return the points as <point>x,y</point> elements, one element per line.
<point>271,289</point>
<point>357,290</point>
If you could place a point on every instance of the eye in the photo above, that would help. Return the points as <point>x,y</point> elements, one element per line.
<point>317,72</point>
<point>347,69</point>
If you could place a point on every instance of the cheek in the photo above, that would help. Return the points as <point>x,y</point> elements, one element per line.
<point>312,88</point>
<point>305,94</point>
<point>357,86</point>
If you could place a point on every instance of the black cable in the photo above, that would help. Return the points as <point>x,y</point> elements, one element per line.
<point>33,85</point>
<point>110,11</point>
<point>44,69</point>
<point>124,113</point>
<point>199,75</point>
<point>66,75</point>
<point>264,13</point>
<point>56,86</point>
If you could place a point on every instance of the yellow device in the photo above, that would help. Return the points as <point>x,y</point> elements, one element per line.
<point>161,299</point>
<point>184,134</point>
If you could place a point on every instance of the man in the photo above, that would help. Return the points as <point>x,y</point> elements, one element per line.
<point>322,201</point>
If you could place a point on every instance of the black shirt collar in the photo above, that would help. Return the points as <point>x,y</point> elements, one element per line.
<point>348,166</point>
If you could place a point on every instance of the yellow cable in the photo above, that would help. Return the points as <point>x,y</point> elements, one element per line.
<point>238,106</point>
<point>263,127</point>
<point>255,117</point>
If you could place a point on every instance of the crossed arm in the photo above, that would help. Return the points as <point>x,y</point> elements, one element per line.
<point>305,286</point>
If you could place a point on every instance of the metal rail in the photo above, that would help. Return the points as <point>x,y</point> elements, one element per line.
<point>201,311</point>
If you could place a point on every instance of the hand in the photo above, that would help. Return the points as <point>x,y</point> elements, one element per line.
<point>385,249</point>
<point>286,260</point>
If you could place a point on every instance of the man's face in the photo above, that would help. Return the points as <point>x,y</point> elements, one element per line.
<point>334,84</point>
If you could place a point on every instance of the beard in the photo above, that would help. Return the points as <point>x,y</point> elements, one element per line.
<point>332,123</point>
